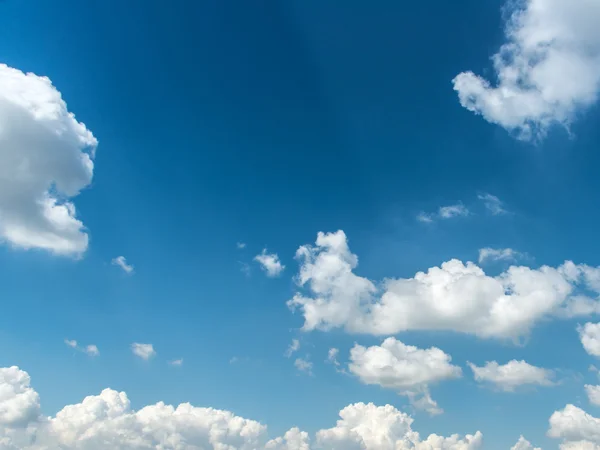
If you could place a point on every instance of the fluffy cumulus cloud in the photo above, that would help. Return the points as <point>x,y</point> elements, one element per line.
<point>294,439</point>
<point>578,429</point>
<point>46,159</point>
<point>547,71</point>
<point>455,296</point>
<point>366,426</point>
<point>108,421</point>
<point>590,338</point>
<point>512,375</point>
<point>270,263</point>
<point>406,369</point>
<point>524,444</point>
<point>19,403</point>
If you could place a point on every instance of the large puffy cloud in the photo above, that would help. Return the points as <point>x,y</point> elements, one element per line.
<point>548,70</point>
<point>366,426</point>
<point>107,421</point>
<point>511,375</point>
<point>45,159</point>
<point>456,296</point>
<point>578,429</point>
<point>404,368</point>
<point>19,403</point>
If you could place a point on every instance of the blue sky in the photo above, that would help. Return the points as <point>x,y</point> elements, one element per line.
<point>220,123</point>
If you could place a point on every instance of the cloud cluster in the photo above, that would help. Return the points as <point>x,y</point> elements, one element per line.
<point>406,369</point>
<point>456,296</point>
<point>46,158</point>
<point>108,421</point>
<point>547,71</point>
<point>91,350</point>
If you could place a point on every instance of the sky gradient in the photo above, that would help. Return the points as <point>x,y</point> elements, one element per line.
<point>306,220</point>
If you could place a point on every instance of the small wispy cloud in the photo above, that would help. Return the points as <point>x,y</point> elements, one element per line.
<point>71,343</point>
<point>293,348</point>
<point>245,268</point>
<point>270,263</point>
<point>144,351</point>
<point>498,254</point>
<point>121,262</point>
<point>332,355</point>
<point>176,362</point>
<point>424,217</point>
<point>240,245</point>
<point>492,203</point>
<point>448,212</point>
<point>91,350</point>
<point>444,212</point>
<point>304,365</point>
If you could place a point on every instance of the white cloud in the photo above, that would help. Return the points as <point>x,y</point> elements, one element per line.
<point>19,403</point>
<point>497,254</point>
<point>270,263</point>
<point>512,375</point>
<point>293,348</point>
<point>524,444</point>
<point>579,445</point>
<point>144,351</point>
<point>589,334</point>
<point>547,71</point>
<point>444,212</point>
<point>108,421</point>
<point>293,439</point>
<point>593,394</point>
<point>369,427</point>
<point>304,365</point>
<point>406,369</point>
<point>45,160</point>
<point>448,212</point>
<point>492,203</point>
<point>122,263</point>
<point>90,350</point>
<point>72,344</point>
<point>240,245</point>
<point>332,355</point>
<point>578,429</point>
<point>424,217</point>
<point>176,362</point>
<point>455,296</point>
